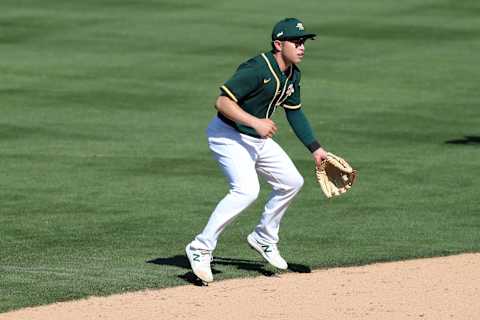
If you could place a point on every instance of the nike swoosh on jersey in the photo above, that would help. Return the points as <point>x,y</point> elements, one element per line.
<point>265,81</point>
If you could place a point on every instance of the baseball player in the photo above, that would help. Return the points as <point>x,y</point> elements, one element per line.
<point>240,137</point>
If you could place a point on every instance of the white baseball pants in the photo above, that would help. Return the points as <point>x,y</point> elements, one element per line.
<point>242,158</point>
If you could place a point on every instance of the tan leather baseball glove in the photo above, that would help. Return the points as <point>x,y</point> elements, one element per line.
<point>335,175</point>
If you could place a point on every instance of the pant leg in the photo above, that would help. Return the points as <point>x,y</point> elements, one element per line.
<point>236,158</point>
<point>282,175</point>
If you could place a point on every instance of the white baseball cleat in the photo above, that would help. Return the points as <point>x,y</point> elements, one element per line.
<point>200,263</point>
<point>268,251</point>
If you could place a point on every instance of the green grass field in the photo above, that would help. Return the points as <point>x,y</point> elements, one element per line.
<point>105,173</point>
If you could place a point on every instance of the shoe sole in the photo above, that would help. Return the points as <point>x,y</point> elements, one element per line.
<point>205,280</point>
<point>253,244</point>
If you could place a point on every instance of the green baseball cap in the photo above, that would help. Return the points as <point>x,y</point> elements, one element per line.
<point>290,28</point>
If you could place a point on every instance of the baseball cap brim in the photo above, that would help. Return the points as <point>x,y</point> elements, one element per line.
<point>303,36</point>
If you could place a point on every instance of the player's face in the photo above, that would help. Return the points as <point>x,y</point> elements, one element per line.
<point>293,50</point>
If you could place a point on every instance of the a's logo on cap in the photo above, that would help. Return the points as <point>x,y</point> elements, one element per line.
<point>279,34</point>
<point>300,26</point>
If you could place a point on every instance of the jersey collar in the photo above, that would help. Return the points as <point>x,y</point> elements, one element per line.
<point>276,67</point>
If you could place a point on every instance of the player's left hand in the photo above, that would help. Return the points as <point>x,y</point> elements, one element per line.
<point>335,175</point>
<point>319,155</point>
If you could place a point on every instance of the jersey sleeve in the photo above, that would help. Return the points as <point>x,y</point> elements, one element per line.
<point>244,81</point>
<point>293,101</point>
<point>300,125</point>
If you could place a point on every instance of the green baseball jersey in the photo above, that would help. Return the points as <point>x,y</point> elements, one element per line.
<point>259,87</point>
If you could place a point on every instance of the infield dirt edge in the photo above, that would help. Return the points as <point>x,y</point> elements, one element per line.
<point>431,288</point>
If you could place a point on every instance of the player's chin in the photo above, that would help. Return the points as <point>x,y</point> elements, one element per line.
<point>298,59</point>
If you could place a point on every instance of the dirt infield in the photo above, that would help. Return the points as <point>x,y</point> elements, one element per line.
<point>437,288</point>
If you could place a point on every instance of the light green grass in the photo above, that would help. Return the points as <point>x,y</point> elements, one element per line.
<point>104,164</point>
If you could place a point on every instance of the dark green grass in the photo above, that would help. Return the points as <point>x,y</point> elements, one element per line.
<point>105,173</point>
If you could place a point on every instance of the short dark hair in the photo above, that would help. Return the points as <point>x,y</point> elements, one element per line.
<point>273,47</point>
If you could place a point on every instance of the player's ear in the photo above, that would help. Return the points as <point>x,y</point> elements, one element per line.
<point>277,44</point>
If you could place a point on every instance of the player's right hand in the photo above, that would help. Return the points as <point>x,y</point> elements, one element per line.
<point>266,128</point>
